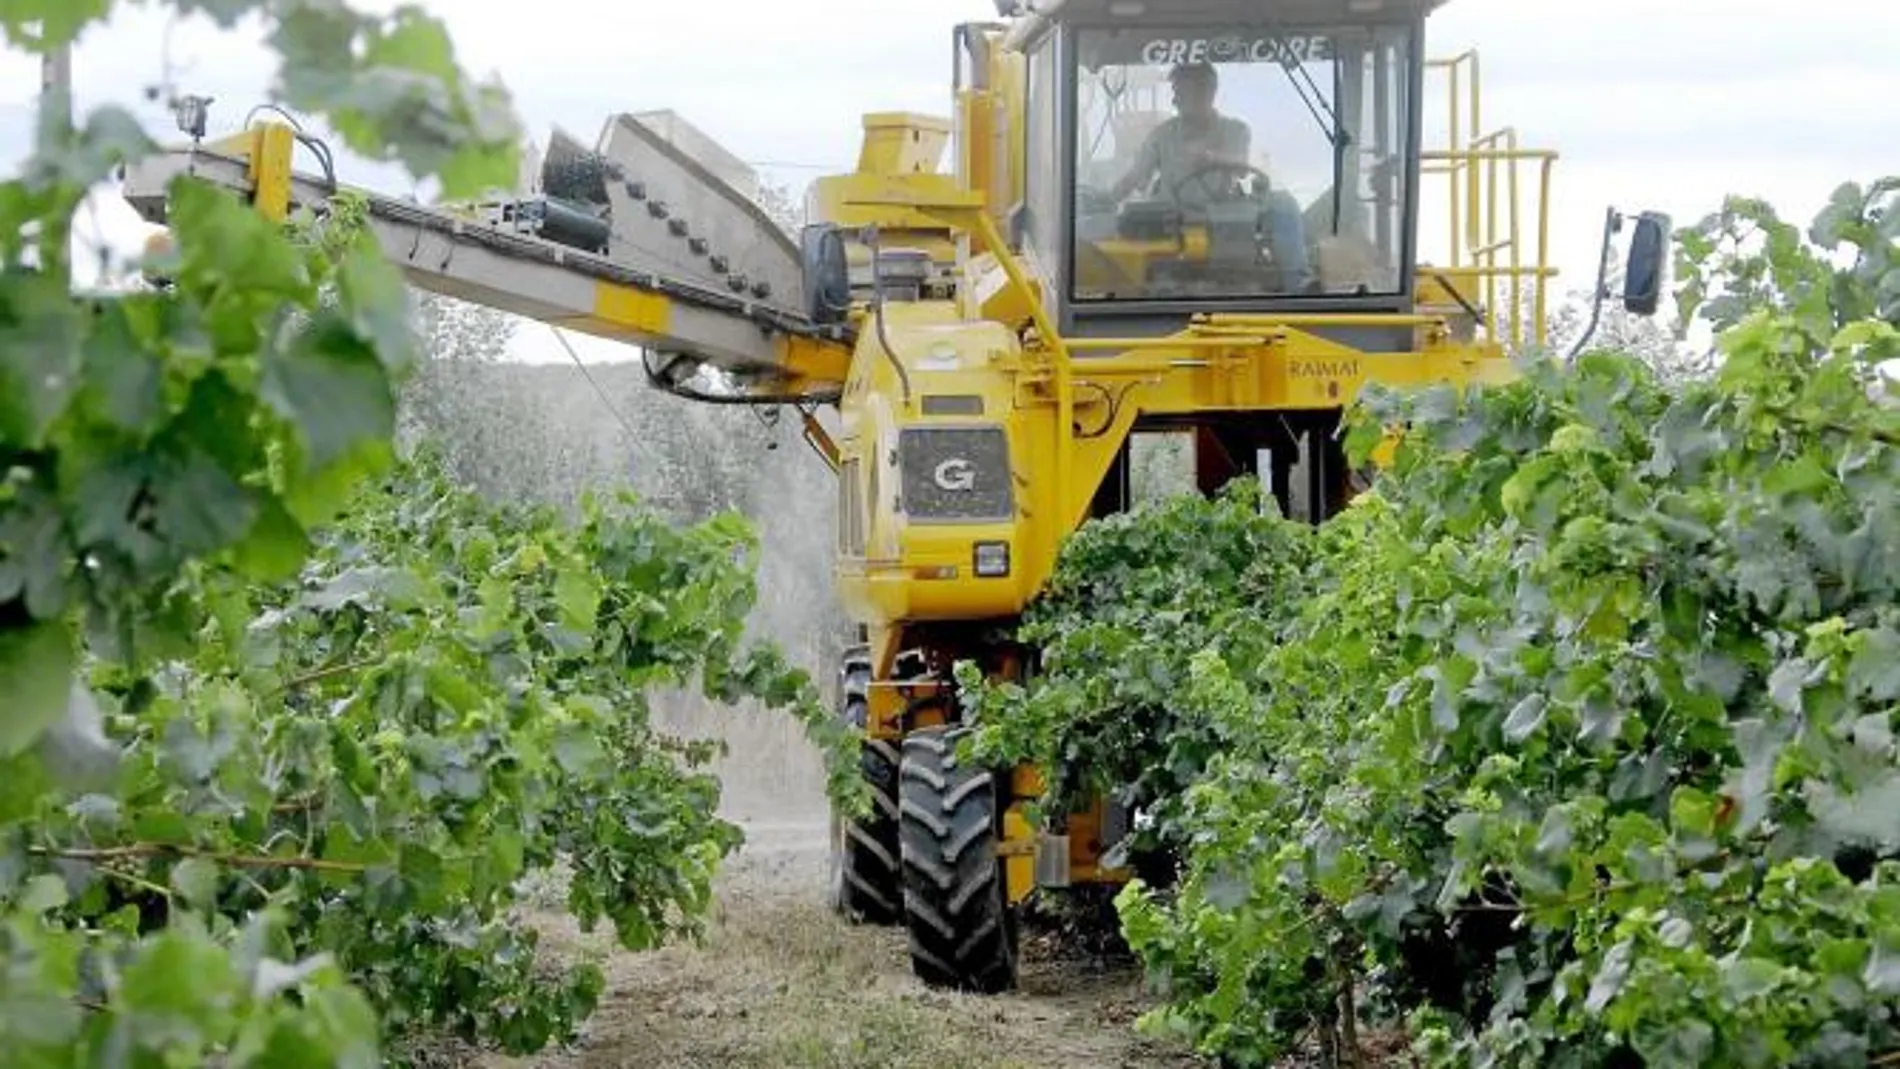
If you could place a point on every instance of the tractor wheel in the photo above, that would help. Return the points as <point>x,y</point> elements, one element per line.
<point>864,865</point>
<point>963,933</point>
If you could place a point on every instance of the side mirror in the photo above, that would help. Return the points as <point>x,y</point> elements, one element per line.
<point>1643,271</point>
<point>827,274</point>
<point>1648,264</point>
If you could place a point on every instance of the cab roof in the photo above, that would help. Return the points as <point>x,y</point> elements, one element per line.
<point>1237,10</point>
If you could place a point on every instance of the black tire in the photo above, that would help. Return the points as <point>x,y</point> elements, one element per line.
<point>865,883</point>
<point>963,933</point>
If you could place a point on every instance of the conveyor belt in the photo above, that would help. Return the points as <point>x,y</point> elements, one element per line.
<point>491,264</point>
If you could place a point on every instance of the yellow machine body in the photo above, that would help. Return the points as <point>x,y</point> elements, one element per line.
<point>988,356</point>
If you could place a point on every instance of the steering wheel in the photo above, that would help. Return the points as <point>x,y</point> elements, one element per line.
<point>1199,173</point>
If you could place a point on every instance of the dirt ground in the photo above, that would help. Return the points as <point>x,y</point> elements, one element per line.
<point>783,983</point>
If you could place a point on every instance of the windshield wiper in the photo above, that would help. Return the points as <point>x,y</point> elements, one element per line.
<point>1329,123</point>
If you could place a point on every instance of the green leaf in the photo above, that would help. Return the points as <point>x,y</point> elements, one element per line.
<point>321,495</point>
<point>506,853</point>
<point>1882,972</point>
<point>161,825</point>
<point>37,662</point>
<point>40,337</point>
<point>317,42</point>
<point>1845,207</point>
<point>578,596</point>
<point>1610,974</point>
<point>81,159</point>
<point>111,507</point>
<point>1227,890</point>
<point>34,562</point>
<point>276,546</point>
<point>415,43</point>
<point>1803,476</point>
<point>579,751</point>
<point>1364,436</point>
<point>1525,718</point>
<point>225,13</point>
<point>396,589</point>
<point>1692,813</point>
<point>401,96</point>
<point>426,875</point>
<point>347,1027</point>
<point>40,25</point>
<point>194,751</point>
<point>217,419</point>
<point>1868,814</point>
<point>455,691</point>
<point>77,756</point>
<point>333,389</point>
<point>1525,489</point>
<point>1600,719</point>
<point>376,298</point>
<point>122,375</point>
<point>221,238</point>
<point>1676,933</point>
<point>354,855</point>
<point>1874,672</point>
<point>43,894</point>
<point>196,880</point>
<point>1749,978</point>
<point>1555,833</point>
<point>200,507</point>
<point>1788,684</point>
<point>152,987</point>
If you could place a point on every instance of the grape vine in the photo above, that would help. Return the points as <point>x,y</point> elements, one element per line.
<point>287,718</point>
<point>370,756</point>
<point>1570,743</point>
<point>219,420</point>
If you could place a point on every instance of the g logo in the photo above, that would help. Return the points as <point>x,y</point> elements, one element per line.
<point>955,475</point>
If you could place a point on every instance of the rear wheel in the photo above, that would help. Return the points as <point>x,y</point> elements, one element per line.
<point>963,933</point>
<point>864,852</point>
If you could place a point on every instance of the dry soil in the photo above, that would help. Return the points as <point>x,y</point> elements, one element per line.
<point>783,983</point>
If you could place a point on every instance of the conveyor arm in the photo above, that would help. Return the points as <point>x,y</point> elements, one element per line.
<point>489,255</point>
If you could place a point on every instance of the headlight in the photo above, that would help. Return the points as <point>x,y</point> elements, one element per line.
<point>992,559</point>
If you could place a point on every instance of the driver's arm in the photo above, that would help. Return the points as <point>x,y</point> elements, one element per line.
<point>1147,162</point>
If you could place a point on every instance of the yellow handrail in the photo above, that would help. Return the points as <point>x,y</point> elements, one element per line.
<point>1486,250</point>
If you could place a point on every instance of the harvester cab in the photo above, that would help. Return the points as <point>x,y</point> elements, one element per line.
<point>1205,157</point>
<point>1209,156</point>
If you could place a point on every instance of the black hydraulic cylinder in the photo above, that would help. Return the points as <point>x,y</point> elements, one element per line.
<point>572,225</point>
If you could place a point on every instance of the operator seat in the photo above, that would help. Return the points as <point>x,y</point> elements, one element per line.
<point>1347,260</point>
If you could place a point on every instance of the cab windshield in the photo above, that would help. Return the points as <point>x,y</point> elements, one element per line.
<point>1240,164</point>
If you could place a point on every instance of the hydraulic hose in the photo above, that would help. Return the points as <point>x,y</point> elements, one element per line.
<point>877,314</point>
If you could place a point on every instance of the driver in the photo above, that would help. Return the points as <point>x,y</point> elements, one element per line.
<point>1195,137</point>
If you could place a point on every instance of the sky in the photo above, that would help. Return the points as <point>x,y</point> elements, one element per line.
<point>1653,104</point>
